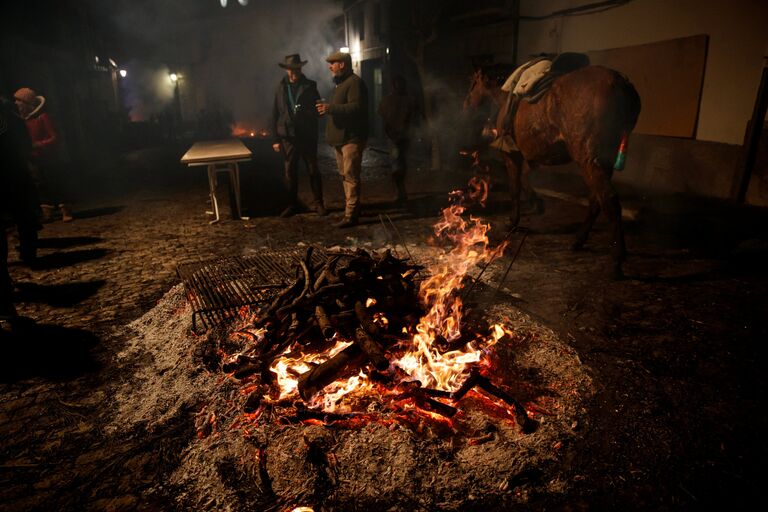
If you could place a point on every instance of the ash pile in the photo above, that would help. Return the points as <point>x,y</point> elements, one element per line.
<point>368,381</point>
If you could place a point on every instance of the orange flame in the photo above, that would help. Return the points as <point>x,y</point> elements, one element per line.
<point>423,361</point>
<point>288,369</point>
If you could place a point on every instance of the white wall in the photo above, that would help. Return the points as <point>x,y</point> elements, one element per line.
<point>738,31</point>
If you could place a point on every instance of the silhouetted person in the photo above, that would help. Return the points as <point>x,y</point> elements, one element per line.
<point>398,110</point>
<point>347,130</point>
<point>18,200</point>
<point>294,128</point>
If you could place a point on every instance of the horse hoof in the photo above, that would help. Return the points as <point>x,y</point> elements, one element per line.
<point>618,274</point>
<point>577,245</point>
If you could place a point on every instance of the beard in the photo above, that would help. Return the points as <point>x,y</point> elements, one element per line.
<point>337,79</point>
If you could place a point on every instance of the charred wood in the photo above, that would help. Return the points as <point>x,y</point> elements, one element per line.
<point>373,352</point>
<point>316,379</point>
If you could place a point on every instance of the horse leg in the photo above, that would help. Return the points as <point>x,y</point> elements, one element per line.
<point>514,164</point>
<point>531,197</point>
<point>584,230</point>
<point>599,181</point>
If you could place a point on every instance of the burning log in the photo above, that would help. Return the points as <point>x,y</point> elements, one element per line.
<point>421,398</point>
<point>317,378</point>
<point>371,349</point>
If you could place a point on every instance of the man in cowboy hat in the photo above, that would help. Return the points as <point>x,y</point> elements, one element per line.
<point>294,127</point>
<point>347,129</point>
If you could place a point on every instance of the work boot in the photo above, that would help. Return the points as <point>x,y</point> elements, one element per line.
<point>66,212</point>
<point>347,222</point>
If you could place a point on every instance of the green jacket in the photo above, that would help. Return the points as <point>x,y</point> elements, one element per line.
<point>348,112</point>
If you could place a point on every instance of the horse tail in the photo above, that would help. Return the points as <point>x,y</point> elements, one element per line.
<point>621,118</point>
<point>631,103</point>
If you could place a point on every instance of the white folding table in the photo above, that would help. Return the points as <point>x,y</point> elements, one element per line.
<point>220,156</point>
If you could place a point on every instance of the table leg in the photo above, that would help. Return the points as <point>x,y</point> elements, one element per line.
<point>212,188</point>
<point>237,191</point>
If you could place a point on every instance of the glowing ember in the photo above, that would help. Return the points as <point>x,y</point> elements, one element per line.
<point>287,369</point>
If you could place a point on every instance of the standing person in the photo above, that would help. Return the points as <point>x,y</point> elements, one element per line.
<point>18,201</point>
<point>294,125</point>
<point>397,109</point>
<point>45,142</point>
<point>347,130</point>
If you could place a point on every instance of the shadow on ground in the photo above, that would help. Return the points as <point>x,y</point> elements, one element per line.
<point>67,242</point>
<point>66,259</point>
<point>48,351</point>
<point>59,295</point>
<point>98,212</point>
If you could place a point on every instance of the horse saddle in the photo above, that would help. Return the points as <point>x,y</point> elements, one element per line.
<point>530,82</point>
<point>534,78</point>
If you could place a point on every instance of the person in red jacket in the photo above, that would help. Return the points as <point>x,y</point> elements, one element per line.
<point>45,142</point>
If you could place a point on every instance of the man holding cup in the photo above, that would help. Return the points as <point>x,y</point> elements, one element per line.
<point>347,130</point>
<point>294,128</point>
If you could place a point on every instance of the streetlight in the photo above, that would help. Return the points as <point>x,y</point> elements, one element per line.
<point>174,77</point>
<point>123,73</point>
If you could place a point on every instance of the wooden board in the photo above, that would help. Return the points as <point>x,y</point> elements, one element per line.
<point>668,75</point>
<point>210,151</point>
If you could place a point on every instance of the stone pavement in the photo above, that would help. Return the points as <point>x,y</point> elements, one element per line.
<point>673,349</point>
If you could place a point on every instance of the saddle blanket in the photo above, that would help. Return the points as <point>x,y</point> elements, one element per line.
<point>522,79</point>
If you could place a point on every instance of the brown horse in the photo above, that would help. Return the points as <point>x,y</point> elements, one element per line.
<point>582,118</point>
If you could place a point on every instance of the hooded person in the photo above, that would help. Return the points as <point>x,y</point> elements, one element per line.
<point>45,144</point>
<point>294,128</point>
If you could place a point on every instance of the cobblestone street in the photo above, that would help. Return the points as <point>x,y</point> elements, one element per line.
<point>674,348</point>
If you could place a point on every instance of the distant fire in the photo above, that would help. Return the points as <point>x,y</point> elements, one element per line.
<point>241,130</point>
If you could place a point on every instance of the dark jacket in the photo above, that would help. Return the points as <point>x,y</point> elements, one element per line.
<point>299,124</point>
<point>348,112</point>
<point>18,197</point>
<point>397,111</point>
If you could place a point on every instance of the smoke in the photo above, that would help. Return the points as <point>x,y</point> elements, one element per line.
<point>229,55</point>
<point>147,89</point>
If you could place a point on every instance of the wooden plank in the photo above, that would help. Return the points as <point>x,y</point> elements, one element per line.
<point>668,75</point>
<point>210,151</point>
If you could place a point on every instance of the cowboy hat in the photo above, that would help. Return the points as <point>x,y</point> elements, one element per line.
<point>292,62</point>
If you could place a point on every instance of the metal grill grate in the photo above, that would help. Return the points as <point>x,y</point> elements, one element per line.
<point>217,289</point>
